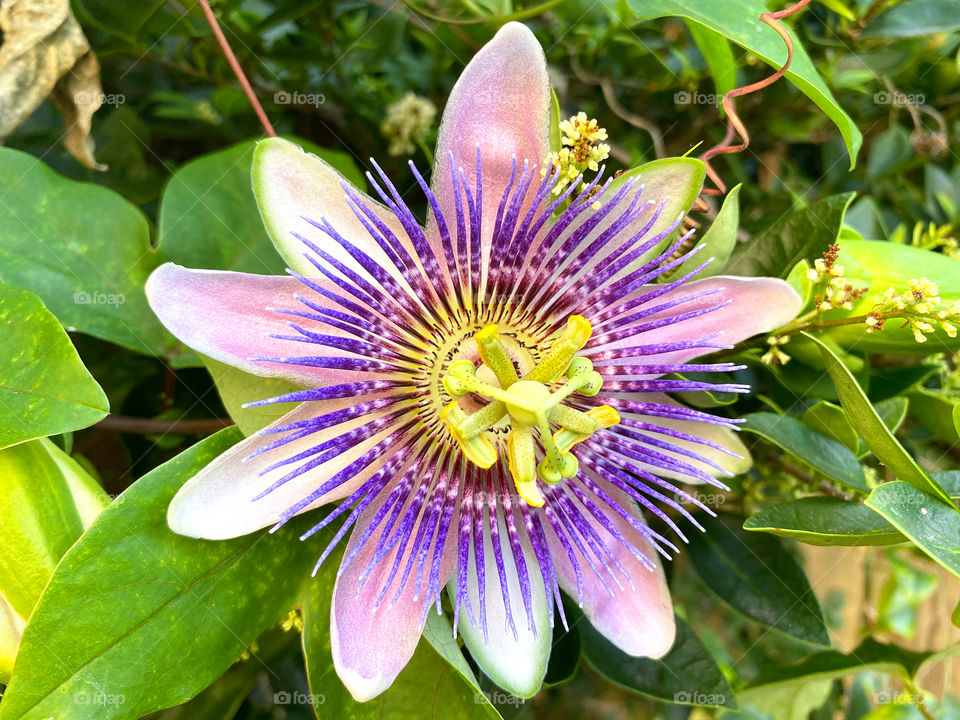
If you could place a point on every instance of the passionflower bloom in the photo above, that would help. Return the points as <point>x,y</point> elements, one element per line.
<point>484,396</point>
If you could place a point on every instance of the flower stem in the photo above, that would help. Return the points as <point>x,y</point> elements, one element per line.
<point>235,66</point>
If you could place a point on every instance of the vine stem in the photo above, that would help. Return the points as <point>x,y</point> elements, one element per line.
<point>155,426</point>
<point>735,125</point>
<point>235,66</point>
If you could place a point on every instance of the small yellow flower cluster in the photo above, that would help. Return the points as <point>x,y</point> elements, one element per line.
<point>583,150</point>
<point>930,236</point>
<point>920,305</point>
<point>408,121</point>
<point>776,356</point>
<point>836,291</point>
<point>293,621</point>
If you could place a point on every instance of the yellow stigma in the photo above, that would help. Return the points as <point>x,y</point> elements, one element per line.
<point>530,405</point>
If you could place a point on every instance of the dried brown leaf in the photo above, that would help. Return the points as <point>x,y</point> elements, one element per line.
<point>45,54</point>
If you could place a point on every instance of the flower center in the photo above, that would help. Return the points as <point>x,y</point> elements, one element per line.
<point>530,406</point>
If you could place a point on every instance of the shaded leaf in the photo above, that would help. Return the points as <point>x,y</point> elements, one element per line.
<point>756,576</point>
<point>687,675</point>
<point>718,241</point>
<point>915,18</point>
<point>237,387</point>
<point>804,443</point>
<point>802,235</point>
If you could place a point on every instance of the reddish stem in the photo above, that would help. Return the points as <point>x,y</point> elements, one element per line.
<point>237,70</point>
<point>154,426</point>
<point>734,124</point>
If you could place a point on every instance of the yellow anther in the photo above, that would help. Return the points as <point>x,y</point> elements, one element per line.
<point>522,460</point>
<point>494,355</point>
<point>605,416</point>
<point>477,449</point>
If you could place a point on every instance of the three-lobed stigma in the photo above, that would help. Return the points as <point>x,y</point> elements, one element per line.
<point>531,407</point>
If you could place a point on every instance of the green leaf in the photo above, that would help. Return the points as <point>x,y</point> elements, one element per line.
<point>717,54</point>
<point>38,523</point>
<point>88,497</point>
<point>793,691</point>
<point>11,626</point>
<point>739,20</point>
<point>209,217</point>
<point>718,241</point>
<point>436,671</point>
<point>956,418</point>
<point>237,387</point>
<point>936,411</point>
<point>687,675</point>
<point>802,442</point>
<point>121,19</point>
<point>83,249</point>
<point>889,152</point>
<point>878,437</point>
<point>828,419</point>
<point>915,18</point>
<point>906,588</point>
<point>879,265</point>
<point>825,521</point>
<point>756,576</point>
<point>44,387</point>
<point>933,526</point>
<point>802,235</point>
<point>132,595</point>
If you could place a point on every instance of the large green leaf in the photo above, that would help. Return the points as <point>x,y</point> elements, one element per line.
<point>136,618</point>
<point>44,387</point>
<point>825,521</point>
<point>933,526</point>
<point>717,54</point>
<point>38,523</point>
<point>687,675</point>
<point>756,576</point>
<point>915,18</point>
<point>83,249</point>
<point>437,671</point>
<point>209,217</point>
<point>824,453</point>
<point>739,20</point>
<point>802,235</point>
<point>871,428</point>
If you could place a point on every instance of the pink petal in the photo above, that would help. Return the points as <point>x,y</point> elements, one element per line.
<point>225,315</point>
<point>371,645</point>
<point>638,619</point>
<point>754,306</point>
<point>291,185</point>
<point>218,502</point>
<point>501,103</point>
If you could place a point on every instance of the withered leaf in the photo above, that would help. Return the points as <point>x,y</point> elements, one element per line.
<point>45,54</point>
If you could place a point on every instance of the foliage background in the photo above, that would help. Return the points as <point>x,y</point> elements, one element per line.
<point>176,134</point>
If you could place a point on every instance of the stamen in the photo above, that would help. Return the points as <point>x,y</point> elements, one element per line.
<point>529,404</point>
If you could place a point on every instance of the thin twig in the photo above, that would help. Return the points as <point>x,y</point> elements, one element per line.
<point>237,70</point>
<point>155,426</point>
<point>735,126</point>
